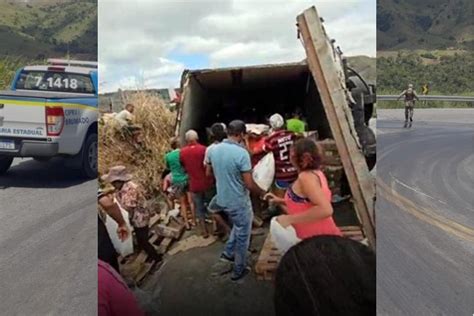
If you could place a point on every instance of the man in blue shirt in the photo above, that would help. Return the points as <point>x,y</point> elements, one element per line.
<point>230,162</point>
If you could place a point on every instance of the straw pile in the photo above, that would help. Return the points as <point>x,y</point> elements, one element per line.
<point>145,161</point>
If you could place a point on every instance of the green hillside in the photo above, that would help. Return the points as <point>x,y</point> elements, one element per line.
<point>8,67</point>
<point>446,74</point>
<point>365,66</point>
<point>47,28</point>
<point>435,24</point>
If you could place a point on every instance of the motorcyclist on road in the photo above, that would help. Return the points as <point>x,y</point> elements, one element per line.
<point>410,96</point>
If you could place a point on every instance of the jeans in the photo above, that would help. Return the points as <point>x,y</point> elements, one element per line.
<point>239,239</point>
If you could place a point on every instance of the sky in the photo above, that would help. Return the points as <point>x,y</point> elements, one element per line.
<point>148,43</point>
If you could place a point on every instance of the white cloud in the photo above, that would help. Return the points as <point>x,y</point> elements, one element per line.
<point>149,43</point>
<point>195,44</point>
<point>253,53</point>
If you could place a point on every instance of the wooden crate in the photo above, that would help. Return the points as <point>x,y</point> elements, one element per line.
<point>352,232</point>
<point>334,176</point>
<point>329,152</point>
<point>134,268</point>
<point>270,256</point>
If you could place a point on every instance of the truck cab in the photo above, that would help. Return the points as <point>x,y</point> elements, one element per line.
<point>51,111</point>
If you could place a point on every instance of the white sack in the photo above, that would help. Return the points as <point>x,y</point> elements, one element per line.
<point>124,248</point>
<point>283,238</point>
<point>264,172</point>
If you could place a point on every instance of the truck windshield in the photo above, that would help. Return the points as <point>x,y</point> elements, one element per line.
<point>54,81</point>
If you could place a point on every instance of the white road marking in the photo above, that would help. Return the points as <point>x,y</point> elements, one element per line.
<point>415,189</point>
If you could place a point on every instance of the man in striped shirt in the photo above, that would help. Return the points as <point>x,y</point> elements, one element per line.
<point>279,142</point>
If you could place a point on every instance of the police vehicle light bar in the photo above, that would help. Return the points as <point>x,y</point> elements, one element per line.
<point>77,63</point>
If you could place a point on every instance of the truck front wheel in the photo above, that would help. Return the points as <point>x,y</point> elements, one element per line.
<point>5,163</point>
<point>89,156</point>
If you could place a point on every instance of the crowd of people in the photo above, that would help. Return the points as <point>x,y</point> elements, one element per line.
<point>216,182</point>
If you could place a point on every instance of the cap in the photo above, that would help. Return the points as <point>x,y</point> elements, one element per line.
<point>276,121</point>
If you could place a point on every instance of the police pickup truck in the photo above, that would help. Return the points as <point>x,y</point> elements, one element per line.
<point>51,111</point>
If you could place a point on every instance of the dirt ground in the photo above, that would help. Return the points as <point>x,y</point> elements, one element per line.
<point>192,283</point>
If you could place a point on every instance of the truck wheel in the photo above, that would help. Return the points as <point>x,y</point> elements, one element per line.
<point>90,157</point>
<point>5,163</point>
<point>371,161</point>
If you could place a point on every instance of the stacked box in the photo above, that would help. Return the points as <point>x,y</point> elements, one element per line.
<point>329,152</point>
<point>334,176</point>
<point>313,135</point>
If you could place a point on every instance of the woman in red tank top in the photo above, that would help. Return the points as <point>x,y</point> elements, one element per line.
<point>308,201</point>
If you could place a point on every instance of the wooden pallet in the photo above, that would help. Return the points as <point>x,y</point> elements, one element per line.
<point>269,258</point>
<point>352,232</point>
<point>134,268</point>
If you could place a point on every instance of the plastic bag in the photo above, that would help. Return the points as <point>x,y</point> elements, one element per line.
<point>283,238</point>
<point>124,248</point>
<point>264,172</point>
<point>173,213</point>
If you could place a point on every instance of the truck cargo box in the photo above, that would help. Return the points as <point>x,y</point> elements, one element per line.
<point>318,86</point>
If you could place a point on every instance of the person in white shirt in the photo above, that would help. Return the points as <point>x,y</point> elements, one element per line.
<point>125,117</point>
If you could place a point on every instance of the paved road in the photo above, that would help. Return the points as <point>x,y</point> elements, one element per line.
<point>48,242</point>
<point>425,213</point>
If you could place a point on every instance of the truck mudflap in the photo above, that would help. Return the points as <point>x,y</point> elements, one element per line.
<point>325,63</point>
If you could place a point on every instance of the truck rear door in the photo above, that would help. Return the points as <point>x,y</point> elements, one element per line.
<point>325,65</point>
<point>21,116</point>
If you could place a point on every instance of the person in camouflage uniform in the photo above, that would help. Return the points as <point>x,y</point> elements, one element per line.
<point>409,98</point>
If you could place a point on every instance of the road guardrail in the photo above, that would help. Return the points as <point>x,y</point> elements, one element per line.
<point>448,98</point>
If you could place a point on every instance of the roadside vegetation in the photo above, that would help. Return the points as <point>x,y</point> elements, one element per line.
<point>144,160</point>
<point>8,67</point>
<point>423,104</point>
<point>446,74</point>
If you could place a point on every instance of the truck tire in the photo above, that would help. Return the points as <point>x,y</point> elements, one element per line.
<point>90,157</point>
<point>5,163</point>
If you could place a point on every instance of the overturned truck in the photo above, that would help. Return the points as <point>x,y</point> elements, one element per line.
<point>336,101</point>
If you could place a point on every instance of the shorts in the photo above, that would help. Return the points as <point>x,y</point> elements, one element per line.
<point>410,104</point>
<point>201,201</point>
<point>178,190</point>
